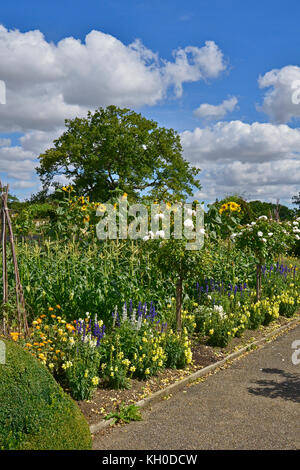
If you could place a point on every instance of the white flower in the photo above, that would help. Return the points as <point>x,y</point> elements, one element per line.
<point>160,233</point>
<point>158,216</point>
<point>297,237</point>
<point>191,212</point>
<point>295,223</point>
<point>202,230</point>
<point>124,316</point>
<point>233,235</point>
<point>144,147</point>
<point>188,223</point>
<point>260,234</point>
<point>151,234</point>
<point>145,238</point>
<point>263,217</point>
<point>264,240</point>
<point>270,234</point>
<point>253,223</point>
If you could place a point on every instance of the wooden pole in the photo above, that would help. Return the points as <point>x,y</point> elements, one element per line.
<point>4,258</point>
<point>21,311</point>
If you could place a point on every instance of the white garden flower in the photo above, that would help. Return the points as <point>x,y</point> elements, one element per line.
<point>259,234</point>
<point>160,233</point>
<point>191,212</point>
<point>253,223</point>
<point>158,216</point>
<point>270,234</point>
<point>264,240</point>
<point>146,238</point>
<point>188,223</point>
<point>263,217</point>
<point>124,316</point>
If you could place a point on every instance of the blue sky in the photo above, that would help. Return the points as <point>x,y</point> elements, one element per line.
<point>247,52</point>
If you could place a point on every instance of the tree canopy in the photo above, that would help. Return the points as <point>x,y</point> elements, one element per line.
<point>117,150</point>
<point>269,209</point>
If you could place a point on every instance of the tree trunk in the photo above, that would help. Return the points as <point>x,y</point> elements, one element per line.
<point>178,303</point>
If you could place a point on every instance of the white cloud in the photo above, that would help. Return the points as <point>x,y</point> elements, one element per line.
<point>47,83</point>
<point>193,64</point>
<point>17,163</point>
<point>210,111</point>
<point>258,160</point>
<point>282,99</point>
<point>236,140</point>
<point>39,141</point>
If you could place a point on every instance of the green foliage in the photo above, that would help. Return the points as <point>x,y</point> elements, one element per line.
<point>175,351</point>
<point>265,238</point>
<point>117,149</point>
<point>269,209</point>
<point>35,413</point>
<point>88,278</point>
<point>125,414</point>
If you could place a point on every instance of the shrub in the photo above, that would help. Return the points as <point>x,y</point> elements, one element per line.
<point>35,413</point>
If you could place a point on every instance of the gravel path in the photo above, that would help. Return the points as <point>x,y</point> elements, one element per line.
<point>253,404</point>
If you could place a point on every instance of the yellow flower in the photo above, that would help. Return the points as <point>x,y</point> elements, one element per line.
<point>14,335</point>
<point>50,309</point>
<point>95,380</point>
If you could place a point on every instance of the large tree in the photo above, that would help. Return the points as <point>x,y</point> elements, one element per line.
<point>115,150</point>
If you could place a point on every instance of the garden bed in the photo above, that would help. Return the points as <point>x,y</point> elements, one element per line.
<point>106,400</point>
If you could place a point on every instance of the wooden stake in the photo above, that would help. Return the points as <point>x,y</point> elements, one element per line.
<point>4,258</point>
<point>21,311</point>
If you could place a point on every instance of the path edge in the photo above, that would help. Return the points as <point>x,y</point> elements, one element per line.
<point>94,428</point>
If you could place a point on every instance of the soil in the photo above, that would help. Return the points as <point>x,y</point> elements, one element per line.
<point>106,400</point>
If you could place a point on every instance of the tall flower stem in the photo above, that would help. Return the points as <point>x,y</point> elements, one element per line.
<point>178,302</point>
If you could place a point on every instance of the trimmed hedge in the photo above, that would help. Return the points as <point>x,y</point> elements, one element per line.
<point>35,413</point>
